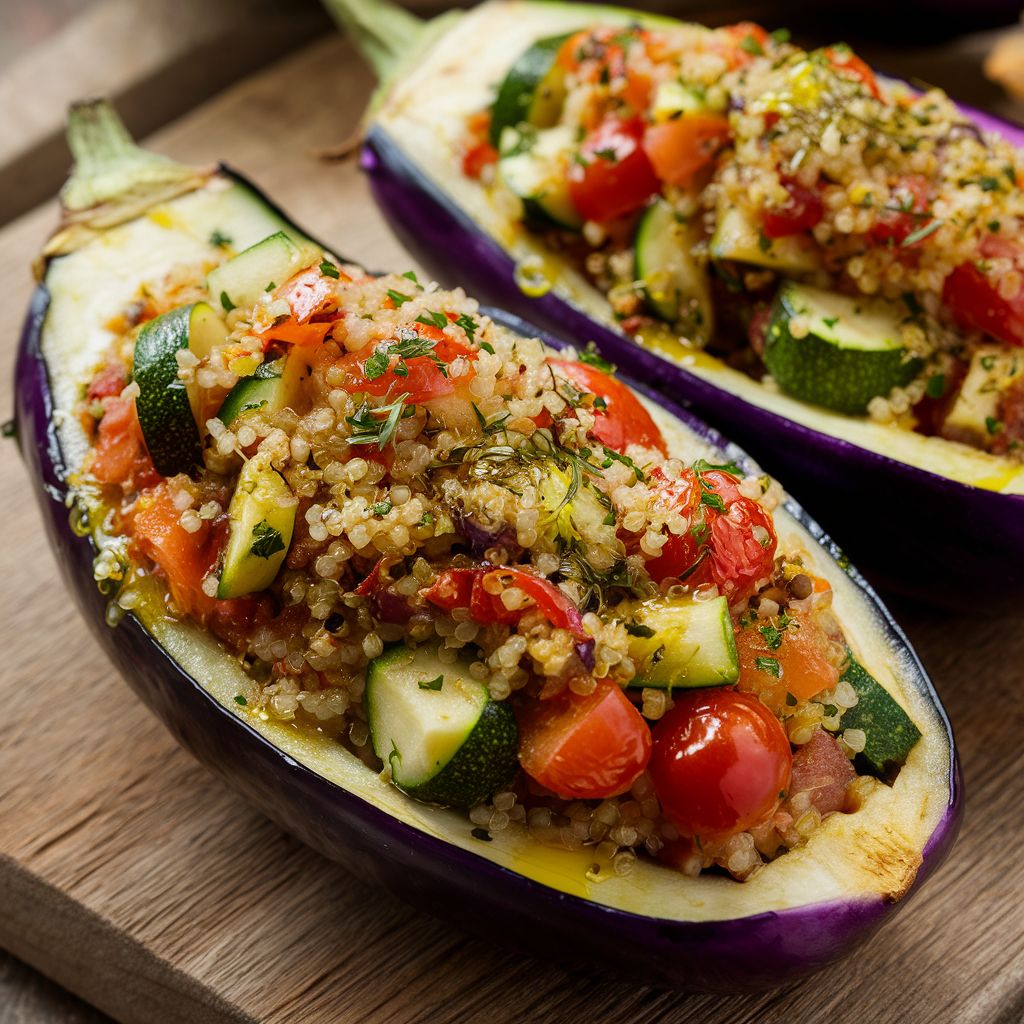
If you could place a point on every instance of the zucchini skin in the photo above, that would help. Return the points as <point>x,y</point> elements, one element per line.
<point>735,955</point>
<point>926,562</point>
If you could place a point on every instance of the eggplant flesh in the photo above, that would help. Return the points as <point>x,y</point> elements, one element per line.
<point>800,911</point>
<point>959,537</point>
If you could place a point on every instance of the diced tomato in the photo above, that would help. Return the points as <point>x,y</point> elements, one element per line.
<point>585,748</point>
<point>185,558</point>
<point>849,65</point>
<point>292,332</point>
<point>120,455</point>
<point>731,541</point>
<point>623,420</point>
<point>822,770</point>
<point>310,292</point>
<point>615,176</point>
<point>424,380</point>
<point>477,157</point>
<point>974,299</point>
<point>782,659</point>
<point>108,382</point>
<point>680,148</point>
<point>906,211</point>
<point>721,763</point>
<point>801,211</point>
<point>468,588</point>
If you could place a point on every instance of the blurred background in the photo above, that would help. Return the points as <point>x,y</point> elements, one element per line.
<point>158,59</point>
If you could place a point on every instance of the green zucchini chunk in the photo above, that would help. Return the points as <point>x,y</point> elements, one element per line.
<point>262,516</point>
<point>533,91</point>
<point>890,733</point>
<point>675,283</point>
<point>683,643</point>
<point>273,387</point>
<point>737,238</point>
<point>254,271</point>
<point>534,167</point>
<point>165,408</point>
<point>845,352</point>
<point>446,741</point>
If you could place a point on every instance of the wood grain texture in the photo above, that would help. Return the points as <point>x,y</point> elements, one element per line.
<point>138,881</point>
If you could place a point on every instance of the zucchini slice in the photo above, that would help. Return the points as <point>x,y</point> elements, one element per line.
<point>737,238</point>
<point>533,91</point>
<point>683,643</point>
<point>262,515</point>
<point>273,387</point>
<point>166,408</point>
<point>446,740</point>
<point>535,167</point>
<point>676,285</point>
<point>846,351</point>
<point>254,271</point>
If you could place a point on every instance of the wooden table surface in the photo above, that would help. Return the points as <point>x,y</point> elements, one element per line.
<point>137,881</point>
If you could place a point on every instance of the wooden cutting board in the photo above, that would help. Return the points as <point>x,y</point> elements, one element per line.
<point>139,882</point>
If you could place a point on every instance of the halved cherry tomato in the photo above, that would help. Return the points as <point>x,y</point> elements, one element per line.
<point>426,377</point>
<point>120,455</point>
<point>975,301</point>
<point>585,748</point>
<point>615,176</point>
<point>801,211</point>
<point>906,211</point>
<point>678,149</point>
<point>623,420</point>
<point>785,656</point>
<point>465,588</point>
<point>720,763</point>
<point>731,541</point>
<point>849,65</point>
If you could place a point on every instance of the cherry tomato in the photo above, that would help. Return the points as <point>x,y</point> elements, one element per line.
<point>615,176</point>
<point>800,212</point>
<point>680,148</point>
<point>785,656</point>
<point>731,541</point>
<point>974,299</point>
<point>720,763</point>
<point>910,200</point>
<point>624,420</point>
<point>847,64</point>
<point>424,378</point>
<point>585,748</point>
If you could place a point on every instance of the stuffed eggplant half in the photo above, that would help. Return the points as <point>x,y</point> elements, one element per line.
<point>821,262</point>
<point>461,608</point>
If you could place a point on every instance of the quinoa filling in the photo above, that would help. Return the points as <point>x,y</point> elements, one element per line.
<point>479,564</point>
<point>842,239</point>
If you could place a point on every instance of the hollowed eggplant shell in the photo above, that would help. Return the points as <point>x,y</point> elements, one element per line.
<point>750,952</point>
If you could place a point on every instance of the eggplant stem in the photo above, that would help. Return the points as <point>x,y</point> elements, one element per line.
<point>108,163</point>
<point>383,32</point>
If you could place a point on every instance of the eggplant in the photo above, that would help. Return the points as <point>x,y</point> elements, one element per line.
<point>130,217</point>
<point>929,517</point>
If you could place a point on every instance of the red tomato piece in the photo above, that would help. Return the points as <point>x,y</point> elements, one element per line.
<point>800,212</point>
<point>108,382</point>
<point>731,542</point>
<point>847,64</point>
<point>423,380</point>
<point>119,454</point>
<point>680,148</point>
<point>585,748</point>
<point>615,177</point>
<point>477,157</point>
<point>975,301</point>
<point>721,763</point>
<point>292,332</point>
<point>624,420</point>
<point>906,211</point>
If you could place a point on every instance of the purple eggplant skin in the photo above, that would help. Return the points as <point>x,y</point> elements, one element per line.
<point>746,954</point>
<point>917,533</point>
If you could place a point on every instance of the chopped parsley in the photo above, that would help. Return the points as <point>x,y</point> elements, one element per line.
<point>936,386</point>
<point>328,269</point>
<point>487,347</point>
<point>410,275</point>
<point>922,233</point>
<point>609,153</point>
<point>382,508</point>
<point>772,636</point>
<point>433,319</point>
<point>781,35</point>
<point>992,425</point>
<point>377,365</point>
<point>266,540</point>
<point>989,184</point>
<point>611,456</point>
<point>226,302</point>
<point>432,684</point>
<point>270,287</point>
<point>470,326</point>
<point>764,243</point>
<point>988,362</point>
<point>638,629</point>
<point>240,700</point>
<point>769,665</point>
<point>748,44</point>
<point>219,239</point>
<point>830,321</point>
<point>791,700</point>
<point>592,357</point>
<point>398,298</point>
<point>370,428</point>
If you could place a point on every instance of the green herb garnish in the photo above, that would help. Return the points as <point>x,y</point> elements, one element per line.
<point>267,541</point>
